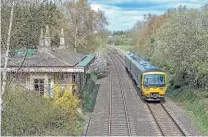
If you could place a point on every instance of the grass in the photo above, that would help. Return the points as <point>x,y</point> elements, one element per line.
<point>127,47</point>
<point>89,93</point>
<point>195,103</point>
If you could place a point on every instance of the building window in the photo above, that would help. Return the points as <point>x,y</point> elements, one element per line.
<point>39,86</point>
<point>74,78</point>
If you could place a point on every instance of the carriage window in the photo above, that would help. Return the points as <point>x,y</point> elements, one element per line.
<point>39,86</point>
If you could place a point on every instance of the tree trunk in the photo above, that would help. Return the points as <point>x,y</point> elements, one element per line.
<point>4,73</point>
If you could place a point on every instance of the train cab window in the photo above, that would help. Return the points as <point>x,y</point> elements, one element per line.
<point>154,80</point>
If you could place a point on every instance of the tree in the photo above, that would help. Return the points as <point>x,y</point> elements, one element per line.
<point>4,74</point>
<point>177,42</point>
<point>86,25</point>
<point>29,18</point>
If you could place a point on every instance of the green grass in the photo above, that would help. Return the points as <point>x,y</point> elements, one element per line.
<point>89,93</point>
<point>128,47</point>
<point>195,103</point>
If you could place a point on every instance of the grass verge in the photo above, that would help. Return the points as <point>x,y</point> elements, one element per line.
<point>128,47</point>
<point>89,93</point>
<point>195,103</point>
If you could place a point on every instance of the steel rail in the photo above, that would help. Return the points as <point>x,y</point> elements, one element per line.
<point>123,98</point>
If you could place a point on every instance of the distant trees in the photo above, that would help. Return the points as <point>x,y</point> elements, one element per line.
<point>177,41</point>
<point>118,33</point>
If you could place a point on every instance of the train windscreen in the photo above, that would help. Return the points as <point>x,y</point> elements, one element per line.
<point>157,80</point>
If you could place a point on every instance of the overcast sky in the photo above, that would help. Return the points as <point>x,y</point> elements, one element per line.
<point>123,14</point>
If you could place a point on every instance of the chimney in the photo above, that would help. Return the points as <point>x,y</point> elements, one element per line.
<point>47,39</point>
<point>62,40</point>
<point>41,39</point>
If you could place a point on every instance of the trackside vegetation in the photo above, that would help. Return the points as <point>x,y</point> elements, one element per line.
<point>178,42</point>
<point>27,113</point>
<point>89,93</point>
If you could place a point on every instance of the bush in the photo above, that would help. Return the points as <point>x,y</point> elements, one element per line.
<point>27,113</point>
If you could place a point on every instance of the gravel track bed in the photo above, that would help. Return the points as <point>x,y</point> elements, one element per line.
<point>118,120</point>
<point>165,122</point>
<point>182,119</point>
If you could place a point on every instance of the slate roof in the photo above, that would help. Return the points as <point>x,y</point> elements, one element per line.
<point>59,58</point>
<point>86,61</point>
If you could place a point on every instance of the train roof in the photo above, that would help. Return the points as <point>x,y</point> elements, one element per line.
<point>143,65</point>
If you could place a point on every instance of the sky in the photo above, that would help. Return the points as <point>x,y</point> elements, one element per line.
<point>123,14</point>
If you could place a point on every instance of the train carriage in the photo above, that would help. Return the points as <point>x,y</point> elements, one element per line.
<point>128,60</point>
<point>150,79</point>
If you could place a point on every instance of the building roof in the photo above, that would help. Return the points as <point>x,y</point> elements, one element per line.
<point>57,58</point>
<point>86,61</point>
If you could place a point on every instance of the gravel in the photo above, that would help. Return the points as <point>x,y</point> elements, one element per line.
<point>182,119</point>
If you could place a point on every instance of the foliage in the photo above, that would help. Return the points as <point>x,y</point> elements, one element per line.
<point>128,48</point>
<point>79,21</point>
<point>177,41</point>
<point>120,39</point>
<point>89,94</point>
<point>66,100</point>
<point>86,26</point>
<point>27,113</point>
<point>27,22</point>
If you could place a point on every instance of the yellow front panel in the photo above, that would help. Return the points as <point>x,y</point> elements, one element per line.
<point>147,91</point>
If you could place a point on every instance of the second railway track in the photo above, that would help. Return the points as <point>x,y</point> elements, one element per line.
<point>118,124</point>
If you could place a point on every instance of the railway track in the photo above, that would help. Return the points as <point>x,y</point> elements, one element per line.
<point>165,122</point>
<point>118,123</point>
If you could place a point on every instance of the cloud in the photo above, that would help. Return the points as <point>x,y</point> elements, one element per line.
<point>123,14</point>
<point>140,1</point>
<point>120,19</point>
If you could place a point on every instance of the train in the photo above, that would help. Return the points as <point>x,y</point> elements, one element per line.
<point>150,79</point>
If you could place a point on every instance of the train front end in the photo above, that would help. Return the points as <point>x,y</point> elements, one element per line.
<point>154,86</point>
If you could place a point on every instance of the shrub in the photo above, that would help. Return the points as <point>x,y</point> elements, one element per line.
<point>27,113</point>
